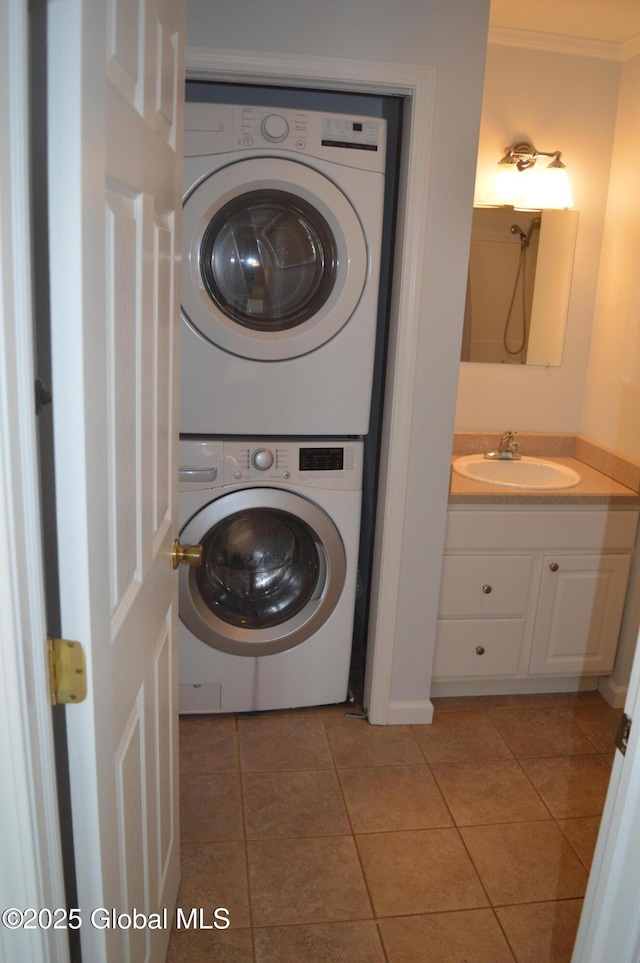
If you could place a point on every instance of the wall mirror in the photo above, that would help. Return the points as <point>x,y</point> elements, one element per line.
<point>518,286</point>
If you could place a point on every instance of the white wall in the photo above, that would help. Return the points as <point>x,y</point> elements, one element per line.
<point>450,36</point>
<point>563,102</point>
<point>611,412</point>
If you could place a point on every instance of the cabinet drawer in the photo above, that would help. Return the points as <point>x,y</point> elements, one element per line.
<point>485,585</point>
<point>477,647</point>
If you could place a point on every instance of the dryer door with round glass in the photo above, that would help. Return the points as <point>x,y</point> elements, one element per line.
<point>274,259</point>
<point>272,572</point>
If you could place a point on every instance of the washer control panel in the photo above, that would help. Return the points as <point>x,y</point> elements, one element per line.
<point>319,464</point>
<point>353,141</point>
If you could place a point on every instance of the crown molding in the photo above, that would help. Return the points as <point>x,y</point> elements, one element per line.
<point>631,48</point>
<point>560,43</point>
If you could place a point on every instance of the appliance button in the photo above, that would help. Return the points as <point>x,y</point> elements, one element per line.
<point>247,140</point>
<point>274,128</point>
<point>286,474</point>
<point>301,143</point>
<point>262,459</point>
<point>237,474</point>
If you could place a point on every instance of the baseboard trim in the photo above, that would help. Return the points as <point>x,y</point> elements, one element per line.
<point>615,694</point>
<point>410,713</point>
<point>525,686</point>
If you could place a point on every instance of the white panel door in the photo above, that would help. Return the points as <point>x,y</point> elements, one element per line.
<point>115,119</point>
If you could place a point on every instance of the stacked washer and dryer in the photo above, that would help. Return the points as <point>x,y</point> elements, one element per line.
<point>282,231</point>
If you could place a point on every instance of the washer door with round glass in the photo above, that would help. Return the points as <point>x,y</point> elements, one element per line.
<point>274,259</point>
<point>273,568</point>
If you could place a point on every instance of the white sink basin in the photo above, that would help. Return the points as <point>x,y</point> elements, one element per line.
<point>520,473</point>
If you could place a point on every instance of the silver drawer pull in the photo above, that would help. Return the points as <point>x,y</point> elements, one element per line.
<point>554,566</point>
<point>487,589</point>
<point>480,649</point>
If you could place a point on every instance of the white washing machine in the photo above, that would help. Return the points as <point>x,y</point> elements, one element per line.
<point>266,620</point>
<point>282,230</point>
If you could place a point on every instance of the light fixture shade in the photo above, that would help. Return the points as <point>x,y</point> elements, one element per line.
<point>505,185</point>
<point>553,188</point>
<point>537,188</point>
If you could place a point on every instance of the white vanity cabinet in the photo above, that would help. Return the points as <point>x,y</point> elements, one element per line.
<point>536,593</point>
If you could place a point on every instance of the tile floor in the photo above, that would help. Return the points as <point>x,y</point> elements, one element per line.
<point>333,841</point>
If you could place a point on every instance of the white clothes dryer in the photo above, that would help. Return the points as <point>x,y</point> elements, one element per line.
<point>282,231</point>
<point>266,621</point>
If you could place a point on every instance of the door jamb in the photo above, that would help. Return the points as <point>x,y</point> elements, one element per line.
<point>28,806</point>
<point>417,85</point>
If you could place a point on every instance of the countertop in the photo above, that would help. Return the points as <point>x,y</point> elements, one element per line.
<point>595,488</point>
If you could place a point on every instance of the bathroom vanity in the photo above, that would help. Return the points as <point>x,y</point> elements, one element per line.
<point>533,586</point>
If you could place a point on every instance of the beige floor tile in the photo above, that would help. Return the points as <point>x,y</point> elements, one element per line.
<point>542,932</point>
<point>540,732</point>
<point>211,946</point>
<point>387,799</point>
<point>357,744</point>
<point>356,942</point>
<point>582,833</point>
<point>599,723</point>
<point>215,875</point>
<point>481,703</point>
<point>283,741</point>
<point>467,703</point>
<point>424,871</point>
<point>572,785</point>
<point>530,700</point>
<point>578,698</point>
<point>208,744</point>
<point>525,862</point>
<point>472,936</point>
<point>306,881</point>
<point>461,737</point>
<point>337,709</point>
<point>489,792</point>
<point>210,808</point>
<point>307,803</point>
<point>341,710</point>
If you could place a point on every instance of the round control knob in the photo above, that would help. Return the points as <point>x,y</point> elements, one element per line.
<point>274,128</point>
<point>262,459</point>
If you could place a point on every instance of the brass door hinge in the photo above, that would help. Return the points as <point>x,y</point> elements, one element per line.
<point>622,735</point>
<point>67,671</point>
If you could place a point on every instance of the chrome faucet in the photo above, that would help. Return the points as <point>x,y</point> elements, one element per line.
<point>508,447</point>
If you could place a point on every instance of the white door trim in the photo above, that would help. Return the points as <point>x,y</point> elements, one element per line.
<point>28,803</point>
<point>417,85</point>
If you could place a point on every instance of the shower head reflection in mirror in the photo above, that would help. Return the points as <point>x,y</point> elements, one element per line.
<point>518,286</point>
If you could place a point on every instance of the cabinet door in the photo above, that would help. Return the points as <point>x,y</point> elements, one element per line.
<point>579,614</point>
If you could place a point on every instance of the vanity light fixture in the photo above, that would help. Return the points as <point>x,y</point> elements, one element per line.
<point>519,185</point>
